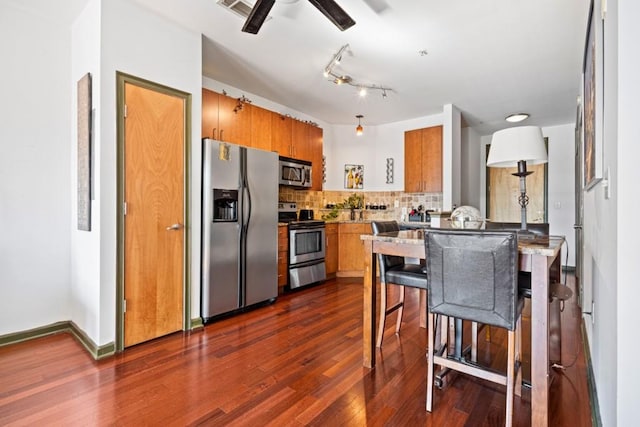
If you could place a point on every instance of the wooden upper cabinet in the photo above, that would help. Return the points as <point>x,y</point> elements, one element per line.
<point>300,141</point>
<point>234,120</point>
<point>423,160</point>
<point>209,114</point>
<point>413,160</point>
<point>281,134</point>
<point>226,119</point>
<point>261,126</point>
<point>432,159</point>
<point>315,143</point>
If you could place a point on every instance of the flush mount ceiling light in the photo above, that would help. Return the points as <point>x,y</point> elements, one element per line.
<point>359,127</point>
<point>339,79</point>
<point>517,117</point>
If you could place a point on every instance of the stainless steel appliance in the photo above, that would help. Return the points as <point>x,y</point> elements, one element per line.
<point>306,247</point>
<point>294,172</point>
<point>239,227</point>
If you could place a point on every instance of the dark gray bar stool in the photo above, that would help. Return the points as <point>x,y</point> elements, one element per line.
<point>473,275</point>
<point>394,270</point>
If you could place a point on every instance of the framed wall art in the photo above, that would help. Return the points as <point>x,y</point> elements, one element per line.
<point>591,102</point>
<point>84,153</point>
<point>353,176</point>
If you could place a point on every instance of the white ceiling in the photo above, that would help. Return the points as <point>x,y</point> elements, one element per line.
<point>489,58</point>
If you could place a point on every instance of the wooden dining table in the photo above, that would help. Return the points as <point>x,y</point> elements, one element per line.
<point>537,255</point>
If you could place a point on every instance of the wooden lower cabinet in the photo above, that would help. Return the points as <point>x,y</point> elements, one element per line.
<point>283,255</point>
<point>350,261</point>
<point>331,249</point>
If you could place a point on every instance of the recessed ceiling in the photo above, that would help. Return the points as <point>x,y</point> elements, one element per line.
<point>487,57</point>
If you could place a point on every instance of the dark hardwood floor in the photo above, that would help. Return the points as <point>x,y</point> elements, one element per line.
<point>296,362</point>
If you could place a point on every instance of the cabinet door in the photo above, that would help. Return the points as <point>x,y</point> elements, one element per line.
<point>235,122</point>
<point>331,249</point>
<point>315,139</point>
<point>432,159</point>
<point>210,126</point>
<point>413,161</point>
<point>351,260</point>
<point>260,128</point>
<point>281,134</point>
<point>300,140</point>
<point>283,254</point>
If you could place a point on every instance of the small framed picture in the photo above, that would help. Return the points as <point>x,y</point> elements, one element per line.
<point>353,177</point>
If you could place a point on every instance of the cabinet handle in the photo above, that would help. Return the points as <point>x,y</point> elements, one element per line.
<point>213,133</point>
<point>220,133</point>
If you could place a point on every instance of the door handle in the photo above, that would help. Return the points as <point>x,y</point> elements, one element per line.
<point>176,226</point>
<point>577,226</point>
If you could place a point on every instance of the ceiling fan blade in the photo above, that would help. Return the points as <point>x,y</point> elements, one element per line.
<point>257,16</point>
<point>335,13</point>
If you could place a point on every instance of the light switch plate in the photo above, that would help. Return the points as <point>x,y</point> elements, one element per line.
<point>606,182</point>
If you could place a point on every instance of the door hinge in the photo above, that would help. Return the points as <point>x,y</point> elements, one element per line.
<point>125,110</point>
<point>124,208</point>
<point>124,305</point>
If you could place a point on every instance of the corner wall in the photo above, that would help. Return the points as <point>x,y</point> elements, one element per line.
<point>126,38</point>
<point>35,135</point>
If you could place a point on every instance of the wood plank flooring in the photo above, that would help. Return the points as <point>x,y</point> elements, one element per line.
<point>296,362</point>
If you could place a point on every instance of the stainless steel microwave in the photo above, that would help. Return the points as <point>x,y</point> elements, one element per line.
<point>294,172</point>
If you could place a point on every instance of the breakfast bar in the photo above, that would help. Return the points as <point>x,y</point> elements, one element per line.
<point>537,255</point>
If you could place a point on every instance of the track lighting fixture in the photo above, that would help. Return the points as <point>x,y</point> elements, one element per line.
<point>339,79</point>
<point>359,127</point>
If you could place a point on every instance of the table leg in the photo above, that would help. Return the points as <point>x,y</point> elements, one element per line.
<point>423,308</point>
<point>540,340</point>
<point>369,307</point>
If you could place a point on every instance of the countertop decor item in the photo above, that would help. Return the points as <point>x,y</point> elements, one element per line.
<point>466,217</point>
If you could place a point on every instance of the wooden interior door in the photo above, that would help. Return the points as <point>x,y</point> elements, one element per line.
<point>503,190</point>
<point>154,177</point>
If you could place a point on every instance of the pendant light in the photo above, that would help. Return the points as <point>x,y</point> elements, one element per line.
<point>359,127</point>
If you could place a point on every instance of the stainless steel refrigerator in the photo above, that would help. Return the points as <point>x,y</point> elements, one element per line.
<point>239,227</point>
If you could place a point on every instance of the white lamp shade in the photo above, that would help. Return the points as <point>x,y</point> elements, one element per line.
<point>509,146</point>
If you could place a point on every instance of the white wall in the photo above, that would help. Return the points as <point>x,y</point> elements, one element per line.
<point>471,168</point>
<point>610,257</point>
<point>451,157</point>
<point>627,179</point>
<point>35,165</point>
<point>561,189</point>
<point>85,246</point>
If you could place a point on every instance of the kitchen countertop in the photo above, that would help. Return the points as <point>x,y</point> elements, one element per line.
<point>407,224</point>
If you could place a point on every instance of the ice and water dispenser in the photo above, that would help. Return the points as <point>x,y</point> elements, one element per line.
<point>225,205</point>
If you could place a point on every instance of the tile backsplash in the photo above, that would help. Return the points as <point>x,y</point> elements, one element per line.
<point>318,200</point>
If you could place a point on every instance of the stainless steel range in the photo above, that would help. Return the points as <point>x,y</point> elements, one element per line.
<point>306,247</point>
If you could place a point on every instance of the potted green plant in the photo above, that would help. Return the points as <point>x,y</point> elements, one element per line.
<point>353,202</point>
